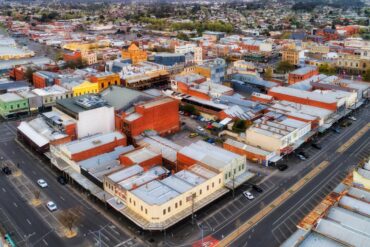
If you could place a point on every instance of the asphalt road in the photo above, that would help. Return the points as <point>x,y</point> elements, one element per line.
<point>223,216</point>
<point>25,220</point>
<point>281,223</point>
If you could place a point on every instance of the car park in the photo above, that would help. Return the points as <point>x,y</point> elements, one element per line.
<point>248,195</point>
<point>51,206</point>
<point>42,183</point>
<point>6,170</point>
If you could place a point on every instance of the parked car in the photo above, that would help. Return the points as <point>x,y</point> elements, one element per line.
<point>181,112</point>
<point>42,183</point>
<point>317,146</point>
<point>304,154</point>
<point>200,128</point>
<point>51,206</point>
<point>336,130</point>
<point>62,180</point>
<point>346,124</point>
<point>281,167</point>
<point>301,157</point>
<point>352,118</point>
<point>257,188</point>
<point>194,134</point>
<point>6,170</point>
<point>248,195</point>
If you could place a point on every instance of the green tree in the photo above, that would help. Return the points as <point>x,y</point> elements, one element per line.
<point>28,75</point>
<point>366,76</point>
<point>284,67</point>
<point>190,109</point>
<point>327,69</point>
<point>182,36</point>
<point>239,126</point>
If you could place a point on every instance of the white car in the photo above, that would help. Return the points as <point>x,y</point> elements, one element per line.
<point>42,183</point>
<point>352,118</point>
<point>248,195</point>
<point>301,157</point>
<point>200,128</point>
<point>51,206</point>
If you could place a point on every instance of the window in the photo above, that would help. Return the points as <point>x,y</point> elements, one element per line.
<point>17,105</point>
<point>207,187</point>
<point>219,180</point>
<point>169,209</point>
<point>225,176</point>
<point>141,208</point>
<point>176,205</point>
<point>146,211</point>
<point>164,211</point>
<point>234,170</point>
<point>229,174</point>
<point>180,203</point>
<point>200,192</point>
<point>134,203</point>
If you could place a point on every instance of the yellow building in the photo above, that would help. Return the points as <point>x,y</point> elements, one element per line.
<point>85,87</point>
<point>74,46</point>
<point>134,53</point>
<point>105,79</point>
<point>361,176</point>
<point>290,54</point>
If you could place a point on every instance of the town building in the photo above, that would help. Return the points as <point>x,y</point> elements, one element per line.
<point>13,105</point>
<point>340,219</point>
<point>277,133</point>
<point>104,79</point>
<point>213,69</point>
<point>84,110</point>
<point>290,55</point>
<point>169,59</point>
<point>52,127</point>
<point>302,74</point>
<point>135,54</point>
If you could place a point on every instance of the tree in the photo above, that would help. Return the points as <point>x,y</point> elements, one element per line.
<point>284,67</point>
<point>69,218</point>
<point>190,109</point>
<point>239,126</point>
<point>36,194</point>
<point>268,73</point>
<point>182,36</point>
<point>366,76</point>
<point>327,69</point>
<point>28,75</point>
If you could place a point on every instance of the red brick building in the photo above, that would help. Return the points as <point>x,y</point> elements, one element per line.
<point>141,156</point>
<point>92,146</point>
<point>302,74</point>
<point>17,73</point>
<point>160,114</point>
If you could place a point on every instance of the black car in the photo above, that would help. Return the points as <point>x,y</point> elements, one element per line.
<point>304,154</point>
<point>281,167</point>
<point>257,188</point>
<point>317,146</point>
<point>62,180</point>
<point>6,170</point>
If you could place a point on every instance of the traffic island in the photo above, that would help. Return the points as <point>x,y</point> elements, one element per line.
<point>70,233</point>
<point>36,202</point>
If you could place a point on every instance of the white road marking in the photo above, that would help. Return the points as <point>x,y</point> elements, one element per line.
<point>46,243</point>
<point>3,189</point>
<point>15,204</point>
<point>28,221</point>
<point>61,197</point>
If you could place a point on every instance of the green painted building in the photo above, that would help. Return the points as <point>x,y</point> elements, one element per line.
<point>13,105</point>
